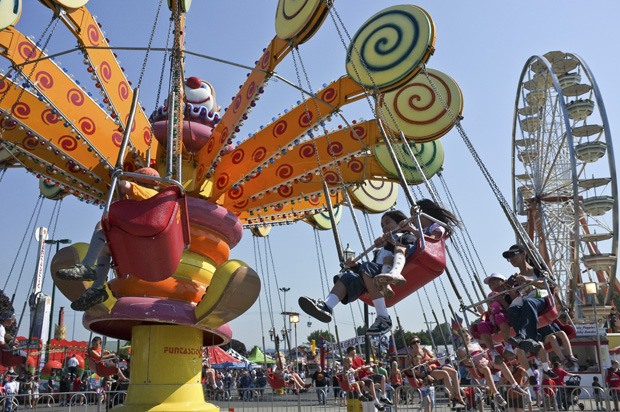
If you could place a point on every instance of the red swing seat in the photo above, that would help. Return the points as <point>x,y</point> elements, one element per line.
<point>344,384</point>
<point>422,267</point>
<point>147,237</point>
<point>548,316</point>
<point>275,381</point>
<point>10,358</point>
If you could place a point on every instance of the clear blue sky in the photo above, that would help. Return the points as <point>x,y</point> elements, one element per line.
<point>483,45</point>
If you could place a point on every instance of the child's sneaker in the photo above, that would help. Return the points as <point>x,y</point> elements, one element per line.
<point>315,308</point>
<point>90,298</point>
<point>386,291</point>
<point>77,272</point>
<point>380,326</point>
<point>499,400</point>
<point>395,279</point>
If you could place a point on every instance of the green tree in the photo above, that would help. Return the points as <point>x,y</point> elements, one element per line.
<point>316,335</point>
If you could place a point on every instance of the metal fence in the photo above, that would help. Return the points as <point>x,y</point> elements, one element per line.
<point>405,398</point>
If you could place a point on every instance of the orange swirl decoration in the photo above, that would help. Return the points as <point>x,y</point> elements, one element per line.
<point>235,193</point>
<point>94,36</point>
<point>123,90</point>
<point>105,71</point>
<point>20,110</point>
<point>117,139</point>
<point>211,145</point>
<point>222,181</point>
<point>259,154</point>
<point>4,86</point>
<point>307,150</point>
<point>264,62</point>
<point>285,191</point>
<point>356,165</point>
<point>44,80</point>
<point>237,156</point>
<point>68,143</point>
<point>313,200</point>
<point>358,133</point>
<point>87,126</point>
<point>305,119</point>
<point>49,117</point>
<point>29,142</point>
<point>249,93</point>
<point>284,171</point>
<point>241,205</point>
<point>331,178</point>
<point>334,148</point>
<point>75,97</point>
<point>329,95</point>
<point>147,135</point>
<point>223,138</point>
<point>280,128</point>
<point>26,50</point>
<point>236,104</point>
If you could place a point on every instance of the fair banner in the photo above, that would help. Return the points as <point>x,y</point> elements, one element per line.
<point>589,329</point>
<point>359,340</point>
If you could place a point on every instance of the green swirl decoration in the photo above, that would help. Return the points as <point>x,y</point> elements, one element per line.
<point>430,156</point>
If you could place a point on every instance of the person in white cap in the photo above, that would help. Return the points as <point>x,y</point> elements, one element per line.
<point>497,318</point>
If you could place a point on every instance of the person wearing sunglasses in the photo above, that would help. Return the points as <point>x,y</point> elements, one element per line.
<point>423,359</point>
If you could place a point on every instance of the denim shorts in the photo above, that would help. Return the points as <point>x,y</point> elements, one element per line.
<point>354,283</point>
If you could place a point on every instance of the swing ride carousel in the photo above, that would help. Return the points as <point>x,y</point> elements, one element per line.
<point>175,287</point>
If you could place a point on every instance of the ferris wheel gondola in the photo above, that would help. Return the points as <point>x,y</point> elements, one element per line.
<point>563,169</point>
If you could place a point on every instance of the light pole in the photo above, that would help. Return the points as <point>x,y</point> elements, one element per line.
<point>56,242</point>
<point>284,289</point>
<point>293,317</point>
<point>591,289</point>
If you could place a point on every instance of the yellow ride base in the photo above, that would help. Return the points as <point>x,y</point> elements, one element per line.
<point>166,368</point>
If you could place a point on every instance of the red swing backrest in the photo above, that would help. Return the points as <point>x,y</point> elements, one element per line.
<point>9,359</point>
<point>147,237</point>
<point>421,267</point>
<point>343,382</point>
<point>275,381</point>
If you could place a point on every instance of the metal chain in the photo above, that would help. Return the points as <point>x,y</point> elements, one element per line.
<point>148,47</point>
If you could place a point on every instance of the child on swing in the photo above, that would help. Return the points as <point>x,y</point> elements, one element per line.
<point>364,277</point>
<point>98,254</point>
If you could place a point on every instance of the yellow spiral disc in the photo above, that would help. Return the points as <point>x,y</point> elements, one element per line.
<point>430,156</point>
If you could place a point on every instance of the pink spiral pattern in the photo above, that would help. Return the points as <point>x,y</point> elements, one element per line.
<point>44,80</point>
<point>123,90</point>
<point>264,62</point>
<point>117,139</point>
<point>259,154</point>
<point>241,205</point>
<point>334,148</point>
<point>236,103</point>
<point>21,110</point>
<point>26,50</point>
<point>75,97</point>
<point>313,200</point>
<point>279,128</point>
<point>105,71</point>
<point>147,135</point>
<point>331,178</point>
<point>8,124</point>
<point>201,170</point>
<point>358,133</point>
<point>306,178</point>
<point>68,143</point>
<point>210,146</point>
<point>4,86</point>
<point>29,143</point>
<point>48,117</point>
<point>237,156</point>
<point>222,181</point>
<point>249,93</point>
<point>224,135</point>
<point>307,150</point>
<point>235,193</point>
<point>284,171</point>
<point>94,36</point>
<point>278,208</point>
<point>285,191</point>
<point>87,126</point>
<point>356,166</point>
<point>305,119</point>
<point>329,95</point>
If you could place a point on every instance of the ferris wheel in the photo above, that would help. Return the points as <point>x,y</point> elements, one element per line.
<point>563,169</point>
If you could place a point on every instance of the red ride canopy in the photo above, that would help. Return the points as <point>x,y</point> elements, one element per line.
<point>217,355</point>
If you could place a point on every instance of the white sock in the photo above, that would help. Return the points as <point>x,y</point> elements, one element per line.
<point>545,366</point>
<point>380,307</point>
<point>331,300</point>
